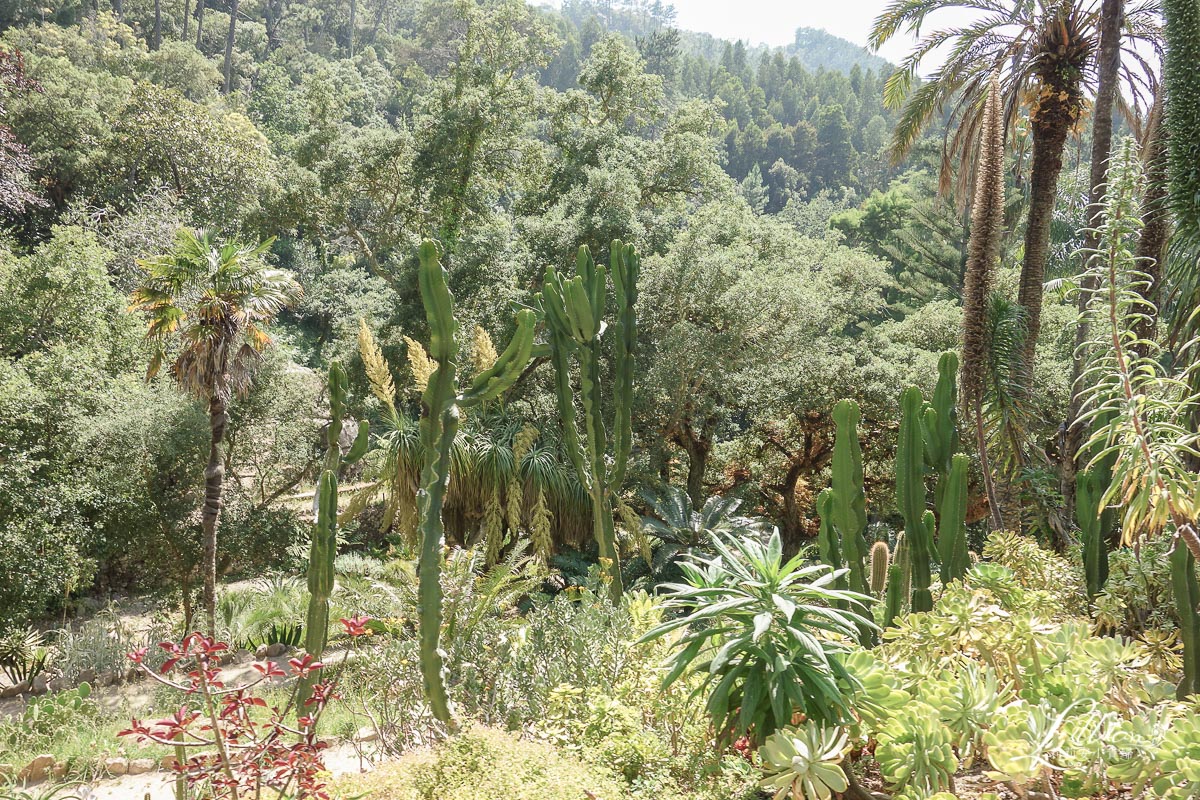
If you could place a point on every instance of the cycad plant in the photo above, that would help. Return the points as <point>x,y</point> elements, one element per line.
<point>767,636</point>
<point>1140,413</point>
<point>677,530</point>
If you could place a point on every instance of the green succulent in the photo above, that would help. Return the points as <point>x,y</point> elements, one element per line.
<point>915,752</point>
<point>805,762</point>
<point>1024,742</point>
<point>966,701</point>
<point>1179,760</point>
<point>879,694</point>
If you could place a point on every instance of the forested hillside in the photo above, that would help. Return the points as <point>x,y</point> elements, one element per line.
<point>513,136</point>
<point>598,408</point>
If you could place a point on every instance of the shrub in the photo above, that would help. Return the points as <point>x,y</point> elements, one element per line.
<point>483,764</point>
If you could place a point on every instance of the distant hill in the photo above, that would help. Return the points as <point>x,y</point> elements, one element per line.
<point>817,48</point>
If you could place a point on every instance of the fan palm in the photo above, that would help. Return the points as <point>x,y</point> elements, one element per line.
<point>215,300</point>
<point>1042,51</point>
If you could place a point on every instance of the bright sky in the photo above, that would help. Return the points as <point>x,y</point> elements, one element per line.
<point>774,22</point>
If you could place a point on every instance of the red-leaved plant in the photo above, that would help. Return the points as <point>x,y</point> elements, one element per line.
<point>223,749</point>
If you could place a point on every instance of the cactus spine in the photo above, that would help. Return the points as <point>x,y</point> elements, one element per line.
<point>323,548</point>
<point>574,311</point>
<point>910,492</point>
<point>441,409</point>
<point>952,533</point>
<point>880,563</point>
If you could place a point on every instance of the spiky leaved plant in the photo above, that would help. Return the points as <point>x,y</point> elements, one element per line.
<point>1146,411</point>
<point>441,405</point>
<point>323,548</point>
<point>574,309</point>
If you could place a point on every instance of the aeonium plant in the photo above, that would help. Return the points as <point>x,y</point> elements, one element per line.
<point>224,749</point>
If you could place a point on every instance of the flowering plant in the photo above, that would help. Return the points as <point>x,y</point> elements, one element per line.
<point>223,747</point>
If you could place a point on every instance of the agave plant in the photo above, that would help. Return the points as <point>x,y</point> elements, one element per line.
<point>769,637</point>
<point>676,529</point>
<point>805,762</point>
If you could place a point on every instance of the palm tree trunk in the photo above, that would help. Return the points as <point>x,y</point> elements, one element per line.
<point>233,12</point>
<point>214,478</point>
<point>157,40</point>
<point>1108,68</point>
<point>187,13</point>
<point>1051,122</point>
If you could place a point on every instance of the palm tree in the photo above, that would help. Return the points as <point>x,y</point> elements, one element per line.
<point>1042,50</point>
<point>216,300</point>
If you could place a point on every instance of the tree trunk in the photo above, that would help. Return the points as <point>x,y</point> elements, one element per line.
<point>233,12</point>
<point>187,13</point>
<point>698,447</point>
<point>1108,68</point>
<point>353,22</point>
<point>1050,125</point>
<point>156,42</point>
<point>214,478</point>
<point>118,7</point>
<point>199,22</point>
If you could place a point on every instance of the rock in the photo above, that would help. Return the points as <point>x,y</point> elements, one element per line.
<point>87,676</point>
<point>261,652</point>
<point>58,770</point>
<point>140,766</point>
<point>116,766</point>
<point>131,674</point>
<point>276,649</point>
<point>13,691</point>
<point>38,769</point>
<point>367,734</point>
<point>107,679</point>
<point>58,684</point>
<point>40,685</point>
<point>168,762</point>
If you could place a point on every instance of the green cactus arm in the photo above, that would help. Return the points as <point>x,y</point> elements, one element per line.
<point>439,305</point>
<point>922,554</point>
<point>321,554</point>
<point>362,441</point>
<point>625,271</point>
<point>952,535</point>
<point>894,602</point>
<point>848,509</point>
<point>497,379</point>
<point>1090,517</point>
<point>910,460</point>
<point>827,539</point>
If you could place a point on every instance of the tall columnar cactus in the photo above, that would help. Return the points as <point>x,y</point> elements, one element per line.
<point>1088,513</point>
<point>952,530</point>
<point>910,493</point>
<point>441,408</point>
<point>323,548</point>
<point>940,423</point>
<point>1187,603</point>
<point>849,514</point>
<point>574,309</point>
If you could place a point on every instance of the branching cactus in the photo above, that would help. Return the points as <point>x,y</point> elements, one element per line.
<point>323,549</point>
<point>574,309</point>
<point>899,581</point>
<point>827,539</point>
<point>441,408</point>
